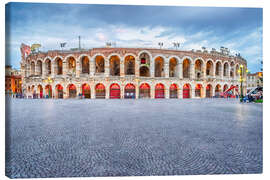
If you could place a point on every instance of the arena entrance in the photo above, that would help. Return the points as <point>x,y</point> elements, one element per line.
<point>72,91</point>
<point>59,91</point>
<point>186,91</point>
<point>144,91</point>
<point>40,90</point>
<point>86,91</point>
<point>208,91</point>
<point>159,91</point>
<point>130,91</point>
<point>173,91</point>
<point>100,91</point>
<point>115,91</point>
<point>48,90</point>
<point>198,90</point>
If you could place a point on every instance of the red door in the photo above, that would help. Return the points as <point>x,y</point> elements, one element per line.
<point>186,91</point>
<point>115,91</point>
<point>159,91</point>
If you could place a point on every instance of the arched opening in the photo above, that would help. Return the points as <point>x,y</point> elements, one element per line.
<point>226,69</point>
<point>198,90</point>
<point>32,68</point>
<point>198,69</point>
<point>186,91</point>
<point>159,67</point>
<point>236,70</point>
<point>71,66</point>
<point>48,67</point>
<point>225,87</point>
<point>59,91</point>
<point>86,91</point>
<point>115,91</point>
<point>218,68</point>
<point>173,71</point>
<point>144,91</point>
<point>209,91</point>
<point>130,91</point>
<point>159,91</point>
<point>39,67</point>
<point>115,66</point>
<point>217,90</point>
<point>33,91</point>
<point>209,68</point>
<point>48,91</point>
<point>144,59</point>
<point>100,91</point>
<point>59,66</point>
<point>173,91</point>
<point>40,91</point>
<point>72,91</point>
<point>129,65</point>
<point>144,71</point>
<point>85,65</point>
<point>186,68</point>
<point>99,61</point>
<point>232,69</point>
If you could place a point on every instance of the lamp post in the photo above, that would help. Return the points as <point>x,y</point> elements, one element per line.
<point>241,72</point>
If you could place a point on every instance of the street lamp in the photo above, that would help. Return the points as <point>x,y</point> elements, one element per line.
<point>241,73</point>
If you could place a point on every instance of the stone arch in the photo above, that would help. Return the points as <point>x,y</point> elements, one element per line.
<point>236,70</point>
<point>86,90</point>
<point>159,90</point>
<point>186,66</point>
<point>72,90</point>
<point>130,91</point>
<point>115,61</point>
<point>129,65</point>
<point>99,60</point>
<point>173,66</point>
<point>115,91</point>
<point>198,66</point>
<point>218,69</point>
<point>32,66</point>
<point>100,91</point>
<point>48,66</point>
<point>144,90</point>
<point>226,69</point>
<point>232,66</point>
<point>48,91</point>
<point>209,67</point>
<point>71,64</point>
<point>225,87</point>
<point>59,66</point>
<point>174,88</point>
<point>39,67</point>
<point>187,91</point>
<point>199,90</point>
<point>40,91</point>
<point>59,92</point>
<point>217,90</point>
<point>209,91</point>
<point>159,66</point>
<point>84,61</point>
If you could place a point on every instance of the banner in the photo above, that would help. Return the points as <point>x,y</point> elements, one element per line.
<point>25,49</point>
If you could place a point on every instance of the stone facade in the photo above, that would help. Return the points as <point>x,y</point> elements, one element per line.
<point>254,80</point>
<point>160,71</point>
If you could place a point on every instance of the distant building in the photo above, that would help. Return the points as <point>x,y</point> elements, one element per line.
<point>13,80</point>
<point>254,80</point>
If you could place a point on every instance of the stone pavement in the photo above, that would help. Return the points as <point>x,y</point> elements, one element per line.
<point>70,138</point>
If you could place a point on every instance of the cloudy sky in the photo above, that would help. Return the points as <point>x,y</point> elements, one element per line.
<point>239,29</point>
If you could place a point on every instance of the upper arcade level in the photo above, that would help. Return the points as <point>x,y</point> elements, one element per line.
<point>133,62</point>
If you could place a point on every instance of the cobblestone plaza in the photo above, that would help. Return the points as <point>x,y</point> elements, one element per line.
<point>70,138</point>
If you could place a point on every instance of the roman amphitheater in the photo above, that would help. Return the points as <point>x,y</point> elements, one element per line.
<point>114,73</point>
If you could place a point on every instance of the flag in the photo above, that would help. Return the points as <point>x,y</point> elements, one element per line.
<point>25,49</point>
<point>63,44</point>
